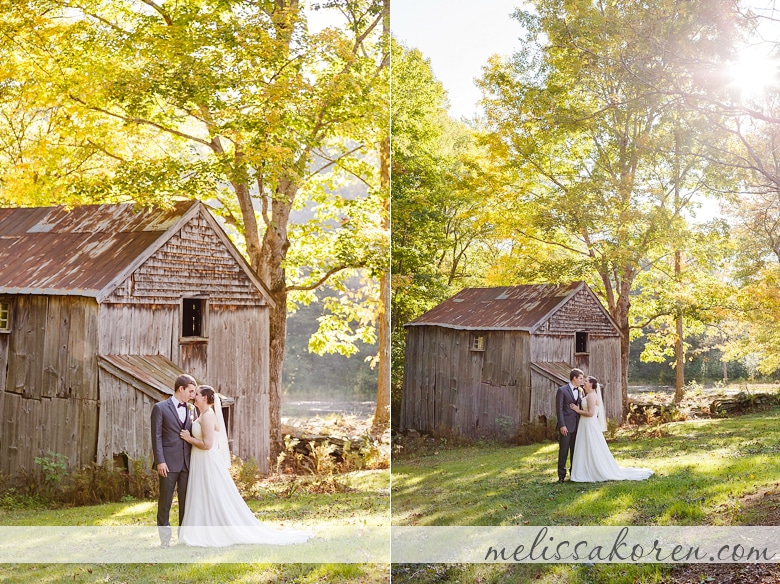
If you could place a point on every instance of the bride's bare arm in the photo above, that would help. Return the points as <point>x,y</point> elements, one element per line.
<point>591,397</point>
<point>207,423</point>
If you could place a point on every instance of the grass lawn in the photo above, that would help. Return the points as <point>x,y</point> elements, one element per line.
<point>706,470</point>
<point>367,501</point>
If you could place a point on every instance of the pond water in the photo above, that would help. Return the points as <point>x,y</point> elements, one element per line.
<point>311,408</point>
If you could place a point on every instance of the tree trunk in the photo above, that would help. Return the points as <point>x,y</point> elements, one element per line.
<point>271,271</point>
<point>382,413</point>
<point>622,306</point>
<point>680,361</point>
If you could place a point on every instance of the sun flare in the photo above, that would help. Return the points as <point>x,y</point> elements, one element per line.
<point>753,72</point>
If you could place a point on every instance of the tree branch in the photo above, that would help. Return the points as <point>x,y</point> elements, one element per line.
<point>319,282</point>
<point>158,8</point>
<point>336,161</point>
<point>142,121</point>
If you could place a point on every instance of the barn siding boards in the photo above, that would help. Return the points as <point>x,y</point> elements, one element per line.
<point>193,357</point>
<point>543,391</point>
<point>138,329</point>
<point>9,462</point>
<point>409,382</point>
<point>238,366</point>
<point>4,342</point>
<point>39,426</point>
<point>552,348</point>
<point>605,366</point>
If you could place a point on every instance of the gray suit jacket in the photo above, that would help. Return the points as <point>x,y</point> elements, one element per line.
<point>167,445</point>
<point>566,416</point>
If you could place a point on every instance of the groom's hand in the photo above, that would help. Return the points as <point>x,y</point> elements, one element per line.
<point>564,431</point>
<point>162,469</point>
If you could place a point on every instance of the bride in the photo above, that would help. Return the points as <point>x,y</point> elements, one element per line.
<point>593,462</point>
<point>216,514</point>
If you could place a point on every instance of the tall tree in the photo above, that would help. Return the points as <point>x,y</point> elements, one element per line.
<point>582,114</point>
<point>230,101</point>
<point>442,190</point>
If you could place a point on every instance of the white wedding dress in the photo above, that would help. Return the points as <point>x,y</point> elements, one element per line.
<point>593,462</point>
<point>216,514</point>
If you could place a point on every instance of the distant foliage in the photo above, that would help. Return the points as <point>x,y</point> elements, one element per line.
<point>332,376</point>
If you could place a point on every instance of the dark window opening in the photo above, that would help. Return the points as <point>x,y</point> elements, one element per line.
<point>580,342</point>
<point>477,342</point>
<point>193,310</point>
<point>121,462</point>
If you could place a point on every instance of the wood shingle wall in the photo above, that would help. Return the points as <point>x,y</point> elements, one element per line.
<point>193,261</point>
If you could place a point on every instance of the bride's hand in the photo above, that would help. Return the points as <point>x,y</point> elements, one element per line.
<point>185,435</point>
<point>574,407</point>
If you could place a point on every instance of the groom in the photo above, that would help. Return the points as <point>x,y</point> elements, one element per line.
<point>567,419</point>
<point>171,453</point>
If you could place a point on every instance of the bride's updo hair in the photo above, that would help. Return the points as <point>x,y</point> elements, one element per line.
<point>593,381</point>
<point>208,392</point>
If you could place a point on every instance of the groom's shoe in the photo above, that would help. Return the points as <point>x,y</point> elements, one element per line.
<point>560,480</point>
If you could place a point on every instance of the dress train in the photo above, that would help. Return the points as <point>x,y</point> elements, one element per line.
<point>593,462</point>
<point>216,514</point>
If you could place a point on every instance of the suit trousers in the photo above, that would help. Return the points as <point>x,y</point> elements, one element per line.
<point>565,450</point>
<point>174,481</point>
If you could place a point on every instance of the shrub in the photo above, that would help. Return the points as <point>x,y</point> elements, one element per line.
<point>245,475</point>
<point>54,467</point>
<point>89,485</point>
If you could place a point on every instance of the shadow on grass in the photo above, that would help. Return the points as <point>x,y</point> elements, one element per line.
<point>702,469</point>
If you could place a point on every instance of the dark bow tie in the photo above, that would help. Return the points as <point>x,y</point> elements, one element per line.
<point>181,405</point>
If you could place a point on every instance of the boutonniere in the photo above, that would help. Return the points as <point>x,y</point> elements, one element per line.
<point>191,410</point>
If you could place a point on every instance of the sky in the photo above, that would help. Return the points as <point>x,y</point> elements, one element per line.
<point>457,36</point>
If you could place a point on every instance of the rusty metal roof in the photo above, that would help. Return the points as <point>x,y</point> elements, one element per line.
<point>50,250</point>
<point>90,250</point>
<point>145,372</point>
<point>504,308</point>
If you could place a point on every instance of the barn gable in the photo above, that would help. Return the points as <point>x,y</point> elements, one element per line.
<point>194,258</point>
<point>578,311</point>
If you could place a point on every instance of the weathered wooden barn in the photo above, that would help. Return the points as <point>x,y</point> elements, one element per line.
<point>489,359</point>
<point>101,308</point>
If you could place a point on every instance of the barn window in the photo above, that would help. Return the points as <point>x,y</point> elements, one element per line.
<point>5,316</point>
<point>477,342</point>
<point>581,342</point>
<point>193,317</point>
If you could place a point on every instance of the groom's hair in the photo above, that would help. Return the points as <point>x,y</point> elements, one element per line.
<point>184,381</point>
<point>575,373</point>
